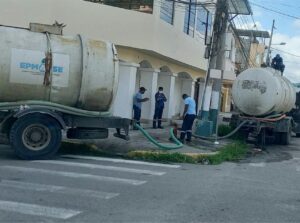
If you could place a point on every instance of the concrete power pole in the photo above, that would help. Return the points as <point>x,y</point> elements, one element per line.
<point>211,99</point>
<point>270,43</point>
<point>220,63</point>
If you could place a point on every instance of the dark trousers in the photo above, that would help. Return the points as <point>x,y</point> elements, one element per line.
<point>186,129</point>
<point>137,114</point>
<point>157,117</point>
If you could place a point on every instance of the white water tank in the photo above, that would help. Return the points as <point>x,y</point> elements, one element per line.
<point>84,72</point>
<point>263,91</point>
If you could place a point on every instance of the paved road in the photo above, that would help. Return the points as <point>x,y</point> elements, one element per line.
<point>265,188</point>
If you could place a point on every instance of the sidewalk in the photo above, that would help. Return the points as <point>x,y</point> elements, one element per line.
<point>138,142</point>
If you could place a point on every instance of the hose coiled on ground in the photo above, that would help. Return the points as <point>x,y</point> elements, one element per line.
<point>177,145</point>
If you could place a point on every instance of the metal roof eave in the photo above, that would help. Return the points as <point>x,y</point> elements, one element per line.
<point>240,7</point>
<point>254,33</point>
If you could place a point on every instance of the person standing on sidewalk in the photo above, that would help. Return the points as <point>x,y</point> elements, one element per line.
<point>189,116</point>
<point>160,100</point>
<point>137,105</point>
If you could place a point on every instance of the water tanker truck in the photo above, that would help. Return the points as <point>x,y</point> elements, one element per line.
<point>50,83</point>
<point>264,98</point>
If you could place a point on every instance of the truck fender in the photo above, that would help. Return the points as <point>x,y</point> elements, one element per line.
<point>52,114</point>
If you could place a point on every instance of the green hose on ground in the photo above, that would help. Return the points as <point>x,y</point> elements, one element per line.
<point>177,145</point>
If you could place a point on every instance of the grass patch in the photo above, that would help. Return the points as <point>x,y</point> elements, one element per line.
<point>162,157</point>
<point>224,130</point>
<point>231,152</point>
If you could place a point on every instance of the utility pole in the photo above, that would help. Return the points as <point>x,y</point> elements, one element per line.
<point>220,63</point>
<point>213,86</point>
<point>270,43</point>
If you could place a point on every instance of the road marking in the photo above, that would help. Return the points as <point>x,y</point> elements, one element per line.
<point>96,166</point>
<point>257,164</point>
<point>56,189</point>
<point>298,168</point>
<point>121,161</point>
<point>37,210</point>
<point>75,175</point>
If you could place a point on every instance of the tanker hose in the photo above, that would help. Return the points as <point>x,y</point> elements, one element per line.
<point>52,106</point>
<point>223,137</point>
<point>269,119</point>
<point>177,145</point>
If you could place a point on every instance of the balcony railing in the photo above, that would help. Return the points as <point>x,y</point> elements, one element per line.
<point>145,6</point>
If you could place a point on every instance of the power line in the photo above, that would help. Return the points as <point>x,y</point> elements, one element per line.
<point>283,4</point>
<point>276,11</point>
<point>285,52</point>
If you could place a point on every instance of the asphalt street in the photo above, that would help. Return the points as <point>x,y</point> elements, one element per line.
<point>263,188</point>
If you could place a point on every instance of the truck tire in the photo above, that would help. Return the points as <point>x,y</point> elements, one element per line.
<point>35,136</point>
<point>298,135</point>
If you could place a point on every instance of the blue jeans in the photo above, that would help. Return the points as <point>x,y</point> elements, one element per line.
<point>137,114</point>
<point>157,117</point>
<point>186,128</point>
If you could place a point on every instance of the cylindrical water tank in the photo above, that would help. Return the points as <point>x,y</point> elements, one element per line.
<point>263,91</point>
<point>79,72</point>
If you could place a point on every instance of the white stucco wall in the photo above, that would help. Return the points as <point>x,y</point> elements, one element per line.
<point>123,102</point>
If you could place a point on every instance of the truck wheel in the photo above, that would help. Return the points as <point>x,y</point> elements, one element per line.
<point>298,135</point>
<point>35,136</point>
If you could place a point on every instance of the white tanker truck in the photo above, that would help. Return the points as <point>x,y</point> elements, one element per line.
<point>264,98</point>
<point>50,83</point>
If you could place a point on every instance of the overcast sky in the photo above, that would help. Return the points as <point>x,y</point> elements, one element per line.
<point>287,30</point>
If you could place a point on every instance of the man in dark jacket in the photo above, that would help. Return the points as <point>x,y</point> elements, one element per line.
<point>277,63</point>
<point>160,100</point>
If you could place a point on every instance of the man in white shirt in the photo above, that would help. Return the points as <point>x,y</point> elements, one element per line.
<point>189,116</point>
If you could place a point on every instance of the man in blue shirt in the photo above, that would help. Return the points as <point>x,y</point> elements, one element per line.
<point>160,100</point>
<point>189,116</point>
<point>137,105</point>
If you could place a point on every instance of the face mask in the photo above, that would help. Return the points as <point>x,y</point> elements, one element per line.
<point>160,91</point>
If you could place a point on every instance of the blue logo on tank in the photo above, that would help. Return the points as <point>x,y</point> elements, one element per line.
<point>40,67</point>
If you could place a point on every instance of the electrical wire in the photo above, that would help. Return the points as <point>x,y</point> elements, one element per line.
<point>282,51</point>
<point>276,11</point>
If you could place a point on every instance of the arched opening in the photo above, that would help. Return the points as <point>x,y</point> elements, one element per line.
<point>184,84</point>
<point>146,77</point>
<point>166,79</point>
<point>145,64</point>
<point>165,69</point>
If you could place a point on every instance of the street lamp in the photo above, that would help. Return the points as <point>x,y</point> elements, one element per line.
<point>279,44</point>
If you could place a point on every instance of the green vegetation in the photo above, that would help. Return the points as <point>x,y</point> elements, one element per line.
<point>224,130</point>
<point>231,152</point>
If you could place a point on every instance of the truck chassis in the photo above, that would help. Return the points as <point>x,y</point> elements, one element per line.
<point>266,130</point>
<point>36,132</point>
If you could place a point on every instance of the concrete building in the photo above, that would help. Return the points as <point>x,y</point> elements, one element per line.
<point>159,43</point>
<point>155,49</point>
<point>251,49</point>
